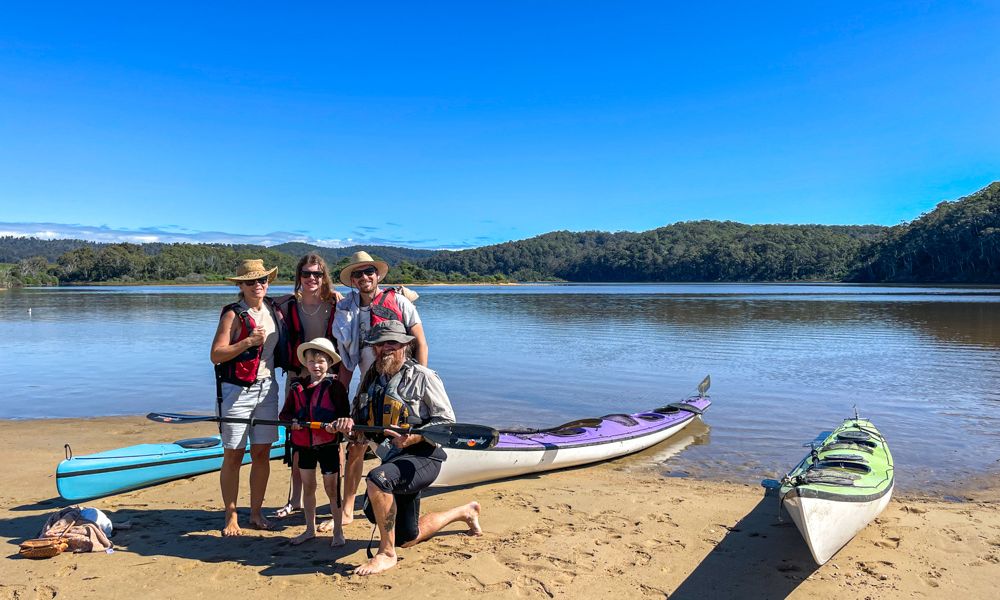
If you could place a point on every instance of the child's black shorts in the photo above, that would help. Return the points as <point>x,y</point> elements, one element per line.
<point>327,456</point>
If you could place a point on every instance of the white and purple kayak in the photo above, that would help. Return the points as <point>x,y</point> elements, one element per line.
<point>520,452</point>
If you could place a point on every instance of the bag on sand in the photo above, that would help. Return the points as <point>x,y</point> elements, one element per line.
<point>42,547</point>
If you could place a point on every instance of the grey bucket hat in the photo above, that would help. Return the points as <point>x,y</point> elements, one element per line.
<point>388,331</point>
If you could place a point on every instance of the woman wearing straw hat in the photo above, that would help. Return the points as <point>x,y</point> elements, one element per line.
<point>243,351</point>
<point>364,307</point>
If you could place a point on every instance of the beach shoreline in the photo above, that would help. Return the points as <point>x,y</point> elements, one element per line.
<point>613,528</point>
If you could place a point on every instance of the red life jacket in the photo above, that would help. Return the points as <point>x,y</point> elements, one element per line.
<point>384,307</point>
<point>296,334</point>
<point>242,369</point>
<point>324,403</point>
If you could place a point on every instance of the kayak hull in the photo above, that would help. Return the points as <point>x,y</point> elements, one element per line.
<point>115,471</point>
<point>521,453</point>
<point>828,525</point>
<point>836,491</point>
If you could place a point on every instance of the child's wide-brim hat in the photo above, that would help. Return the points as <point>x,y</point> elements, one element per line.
<point>253,268</point>
<point>360,260</point>
<point>323,345</point>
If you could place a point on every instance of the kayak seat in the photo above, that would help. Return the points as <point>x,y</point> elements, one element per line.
<point>847,446</point>
<point>843,464</point>
<point>666,410</point>
<point>198,443</point>
<point>845,457</point>
<point>621,419</point>
<point>567,432</point>
<point>826,477</point>
<point>853,436</point>
<point>651,416</point>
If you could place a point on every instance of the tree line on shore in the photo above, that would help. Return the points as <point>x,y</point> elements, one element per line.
<point>957,242</point>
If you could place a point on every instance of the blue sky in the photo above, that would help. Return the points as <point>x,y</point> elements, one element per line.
<point>445,125</point>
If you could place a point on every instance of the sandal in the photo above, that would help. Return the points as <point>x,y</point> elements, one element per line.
<point>286,511</point>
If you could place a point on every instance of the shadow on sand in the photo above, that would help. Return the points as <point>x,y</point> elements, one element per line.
<point>193,534</point>
<point>758,558</point>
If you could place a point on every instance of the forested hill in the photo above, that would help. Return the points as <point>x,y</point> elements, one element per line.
<point>956,242</point>
<point>690,251</point>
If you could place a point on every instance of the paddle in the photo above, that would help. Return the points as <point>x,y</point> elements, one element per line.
<point>452,435</point>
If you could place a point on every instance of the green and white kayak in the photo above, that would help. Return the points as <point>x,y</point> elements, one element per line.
<point>844,483</point>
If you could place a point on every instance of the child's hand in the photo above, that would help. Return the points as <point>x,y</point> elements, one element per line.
<point>295,425</point>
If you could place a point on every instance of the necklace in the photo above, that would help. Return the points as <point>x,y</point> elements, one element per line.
<point>302,307</point>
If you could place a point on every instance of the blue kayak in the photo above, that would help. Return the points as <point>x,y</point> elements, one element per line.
<point>114,471</point>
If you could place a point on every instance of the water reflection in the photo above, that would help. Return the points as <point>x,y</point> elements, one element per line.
<point>786,361</point>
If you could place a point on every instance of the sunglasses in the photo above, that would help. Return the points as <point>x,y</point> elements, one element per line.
<point>308,274</point>
<point>260,280</point>
<point>389,345</point>
<point>366,271</point>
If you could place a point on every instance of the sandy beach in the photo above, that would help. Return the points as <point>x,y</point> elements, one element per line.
<point>615,529</point>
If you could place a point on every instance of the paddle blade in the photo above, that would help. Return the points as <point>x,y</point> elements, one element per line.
<point>179,418</point>
<point>463,436</point>
<point>704,385</point>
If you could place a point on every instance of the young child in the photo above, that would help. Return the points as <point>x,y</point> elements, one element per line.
<point>322,399</point>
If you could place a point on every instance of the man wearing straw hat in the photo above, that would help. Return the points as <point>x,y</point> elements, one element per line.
<point>357,313</point>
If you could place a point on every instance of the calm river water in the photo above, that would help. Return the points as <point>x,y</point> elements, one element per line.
<point>787,361</point>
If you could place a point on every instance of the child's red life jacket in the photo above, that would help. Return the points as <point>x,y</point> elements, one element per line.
<point>324,402</point>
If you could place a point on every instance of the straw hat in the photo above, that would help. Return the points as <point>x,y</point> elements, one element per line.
<point>253,268</point>
<point>323,345</point>
<point>362,259</point>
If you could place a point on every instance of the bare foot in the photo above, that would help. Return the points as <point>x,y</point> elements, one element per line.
<point>338,540</point>
<point>305,536</point>
<point>380,562</point>
<point>325,527</point>
<point>348,517</point>
<point>472,518</point>
<point>232,527</point>
<point>261,523</point>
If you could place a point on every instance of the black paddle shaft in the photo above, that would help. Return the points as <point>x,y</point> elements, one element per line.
<point>453,435</point>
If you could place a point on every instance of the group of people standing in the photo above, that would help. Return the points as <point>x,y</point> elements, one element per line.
<point>319,338</point>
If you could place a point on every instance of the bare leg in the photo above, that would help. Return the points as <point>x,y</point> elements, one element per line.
<point>433,522</point>
<point>260,470</point>
<point>384,507</point>
<point>295,497</point>
<point>352,477</point>
<point>308,506</point>
<point>229,481</point>
<point>330,484</point>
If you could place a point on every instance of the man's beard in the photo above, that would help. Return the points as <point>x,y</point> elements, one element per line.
<point>390,363</point>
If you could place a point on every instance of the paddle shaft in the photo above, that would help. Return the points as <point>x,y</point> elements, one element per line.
<point>309,424</point>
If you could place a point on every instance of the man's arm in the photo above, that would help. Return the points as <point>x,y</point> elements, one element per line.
<point>419,344</point>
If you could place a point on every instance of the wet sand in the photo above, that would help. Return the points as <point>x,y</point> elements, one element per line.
<point>616,529</point>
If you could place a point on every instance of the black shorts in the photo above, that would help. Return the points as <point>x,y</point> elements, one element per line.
<point>327,456</point>
<point>404,476</point>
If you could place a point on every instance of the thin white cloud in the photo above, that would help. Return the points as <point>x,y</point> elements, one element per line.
<point>170,235</point>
